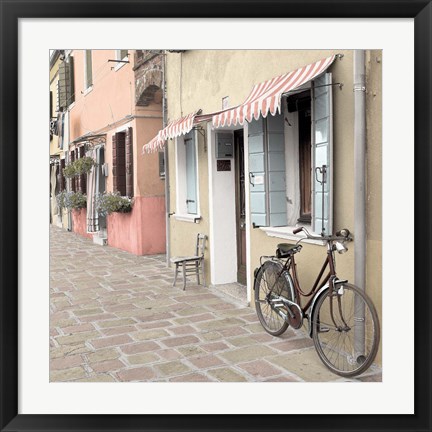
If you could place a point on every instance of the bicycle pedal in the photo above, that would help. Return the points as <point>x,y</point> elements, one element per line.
<point>323,330</point>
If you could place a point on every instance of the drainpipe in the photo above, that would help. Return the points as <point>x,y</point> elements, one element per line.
<point>167,189</point>
<point>359,190</point>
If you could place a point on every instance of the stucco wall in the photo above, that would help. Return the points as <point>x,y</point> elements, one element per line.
<point>200,79</point>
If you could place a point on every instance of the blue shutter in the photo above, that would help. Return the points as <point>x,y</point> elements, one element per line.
<point>267,171</point>
<point>322,154</point>
<point>257,170</point>
<point>191,180</point>
<point>276,171</point>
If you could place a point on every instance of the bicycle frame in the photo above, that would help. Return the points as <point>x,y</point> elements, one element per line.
<point>329,261</point>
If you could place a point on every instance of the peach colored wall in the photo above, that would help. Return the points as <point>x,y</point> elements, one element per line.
<point>140,231</point>
<point>110,99</point>
<point>79,223</point>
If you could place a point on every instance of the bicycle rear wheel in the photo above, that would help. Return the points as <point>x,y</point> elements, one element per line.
<point>346,330</point>
<point>270,284</point>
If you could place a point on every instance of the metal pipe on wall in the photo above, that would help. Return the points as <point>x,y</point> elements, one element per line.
<point>166,166</point>
<point>360,189</point>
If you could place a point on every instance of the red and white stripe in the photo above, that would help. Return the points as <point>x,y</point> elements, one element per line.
<point>266,97</point>
<point>174,129</point>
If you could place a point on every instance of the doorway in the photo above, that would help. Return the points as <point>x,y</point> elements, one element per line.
<point>240,206</point>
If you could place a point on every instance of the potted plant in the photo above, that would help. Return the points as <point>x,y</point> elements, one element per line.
<point>83,165</point>
<point>78,167</point>
<point>71,200</point>
<point>110,202</point>
<point>69,171</point>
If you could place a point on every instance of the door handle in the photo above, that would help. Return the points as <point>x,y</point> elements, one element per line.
<point>189,201</point>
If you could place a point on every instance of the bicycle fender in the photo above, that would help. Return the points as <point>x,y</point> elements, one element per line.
<point>315,299</point>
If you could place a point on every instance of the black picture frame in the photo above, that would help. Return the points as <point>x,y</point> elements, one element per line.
<point>12,11</point>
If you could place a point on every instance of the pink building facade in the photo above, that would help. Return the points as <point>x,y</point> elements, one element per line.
<point>116,109</point>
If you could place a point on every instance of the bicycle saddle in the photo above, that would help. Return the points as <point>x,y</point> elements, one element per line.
<point>285,249</point>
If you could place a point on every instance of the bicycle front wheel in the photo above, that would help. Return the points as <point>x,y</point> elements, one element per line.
<point>346,330</point>
<point>270,284</point>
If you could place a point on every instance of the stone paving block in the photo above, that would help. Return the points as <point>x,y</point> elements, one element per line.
<point>260,368</point>
<point>191,350</point>
<point>98,378</point>
<point>103,354</point>
<point>85,312</point>
<point>207,336</point>
<point>227,375</point>
<point>293,344</point>
<point>111,341</point>
<point>178,341</point>
<point>169,354</point>
<point>67,374</point>
<point>282,378</point>
<point>79,328</point>
<point>118,330</point>
<point>241,341</point>
<point>247,353</point>
<point>107,366</point>
<point>220,324</point>
<point>254,328</point>
<point>172,368</point>
<point>304,364</point>
<point>233,331</point>
<point>96,318</point>
<point>136,374</point>
<point>65,350</point>
<point>215,346</point>
<point>206,361</point>
<point>193,377</point>
<point>140,347</point>
<point>153,325</point>
<point>149,334</point>
<point>115,323</point>
<point>66,362</point>
<point>77,337</point>
<point>183,330</point>
<point>144,358</point>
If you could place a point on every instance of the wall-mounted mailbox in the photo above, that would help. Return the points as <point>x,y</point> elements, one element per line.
<point>224,145</point>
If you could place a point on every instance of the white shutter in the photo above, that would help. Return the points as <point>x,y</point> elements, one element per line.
<point>322,155</point>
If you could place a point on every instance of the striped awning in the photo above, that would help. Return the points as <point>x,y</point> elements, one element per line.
<point>174,129</point>
<point>266,97</point>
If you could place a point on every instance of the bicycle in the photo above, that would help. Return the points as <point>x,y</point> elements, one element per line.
<point>343,321</point>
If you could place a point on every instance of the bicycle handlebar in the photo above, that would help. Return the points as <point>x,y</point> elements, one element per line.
<point>343,235</point>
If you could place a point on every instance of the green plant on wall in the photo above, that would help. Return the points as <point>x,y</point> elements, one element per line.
<point>69,171</point>
<point>78,167</point>
<point>71,200</point>
<point>110,202</point>
<point>83,165</point>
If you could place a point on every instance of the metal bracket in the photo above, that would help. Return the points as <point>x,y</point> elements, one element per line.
<point>359,87</point>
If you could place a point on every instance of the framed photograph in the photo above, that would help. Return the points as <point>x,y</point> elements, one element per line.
<point>35,34</point>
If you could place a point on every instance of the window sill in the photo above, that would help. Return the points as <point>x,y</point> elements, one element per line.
<point>192,218</point>
<point>88,90</point>
<point>120,65</point>
<point>286,233</point>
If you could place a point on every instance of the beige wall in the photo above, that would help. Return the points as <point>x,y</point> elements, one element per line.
<point>200,79</point>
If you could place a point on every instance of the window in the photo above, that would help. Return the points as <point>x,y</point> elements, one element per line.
<point>65,84</point>
<point>161,156</point>
<point>290,162</point>
<point>122,57</point>
<point>186,172</point>
<point>122,162</point>
<point>88,73</point>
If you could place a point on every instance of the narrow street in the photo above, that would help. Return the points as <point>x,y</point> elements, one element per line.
<point>116,317</point>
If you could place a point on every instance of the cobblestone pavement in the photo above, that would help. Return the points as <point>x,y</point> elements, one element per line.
<point>116,317</point>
